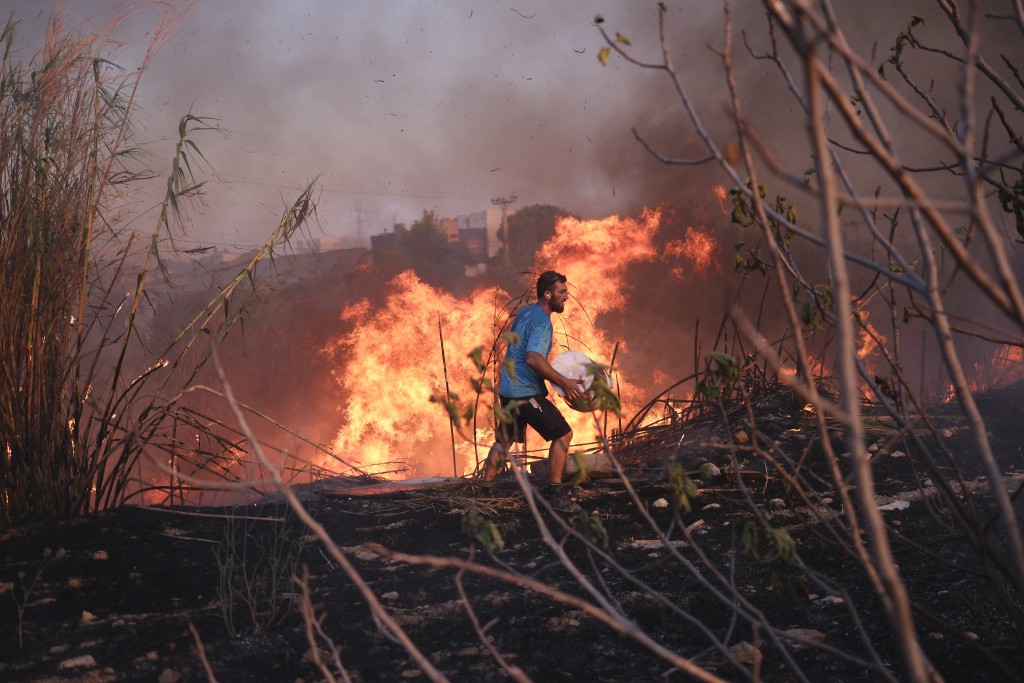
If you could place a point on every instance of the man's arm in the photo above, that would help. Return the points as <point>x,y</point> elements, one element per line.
<point>572,387</point>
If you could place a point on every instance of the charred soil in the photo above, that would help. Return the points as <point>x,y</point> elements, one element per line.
<point>129,595</point>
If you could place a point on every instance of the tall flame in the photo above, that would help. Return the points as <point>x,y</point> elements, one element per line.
<point>390,364</point>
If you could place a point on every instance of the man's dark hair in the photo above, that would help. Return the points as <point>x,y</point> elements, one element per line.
<point>546,279</point>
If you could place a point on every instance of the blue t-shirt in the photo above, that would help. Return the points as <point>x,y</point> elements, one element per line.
<point>533,325</point>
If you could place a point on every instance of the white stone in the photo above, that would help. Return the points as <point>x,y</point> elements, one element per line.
<point>660,504</point>
<point>805,634</point>
<point>895,505</point>
<point>169,676</point>
<point>829,600</point>
<point>745,653</point>
<point>83,662</point>
<point>710,470</point>
<point>598,465</point>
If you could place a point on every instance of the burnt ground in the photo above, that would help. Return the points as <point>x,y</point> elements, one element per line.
<point>123,595</point>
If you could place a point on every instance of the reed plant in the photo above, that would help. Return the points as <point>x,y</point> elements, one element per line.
<point>78,409</point>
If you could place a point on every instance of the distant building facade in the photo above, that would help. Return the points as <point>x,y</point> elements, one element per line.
<point>476,232</point>
<point>488,220</point>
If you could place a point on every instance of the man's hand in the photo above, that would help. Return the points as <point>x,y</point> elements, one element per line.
<point>573,388</point>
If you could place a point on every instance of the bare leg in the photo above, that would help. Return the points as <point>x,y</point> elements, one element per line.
<point>557,454</point>
<point>495,457</point>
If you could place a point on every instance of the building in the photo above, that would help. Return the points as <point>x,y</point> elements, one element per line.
<point>488,220</point>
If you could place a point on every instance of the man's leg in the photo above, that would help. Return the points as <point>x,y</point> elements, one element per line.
<point>497,455</point>
<point>557,454</point>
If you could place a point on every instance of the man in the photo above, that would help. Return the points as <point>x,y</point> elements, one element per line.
<point>530,364</point>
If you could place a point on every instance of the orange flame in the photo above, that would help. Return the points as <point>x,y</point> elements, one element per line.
<point>700,248</point>
<point>871,340</point>
<point>390,364</point>
<point>720,194</point>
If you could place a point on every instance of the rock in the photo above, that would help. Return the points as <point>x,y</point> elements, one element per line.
<point>87,616</point>
<point>100,555</point>
<point>660,504</point>
<point>829,600</point>
<point>83,662</point>
<point>412,673</point>
<point>709,471</point>
<point>745,653</point>
<point>597,465</point>
<point>169,676</point>
<point>361,553</point>
<point>805,634</point>
<point>971,635</point>
<point>712,506</point>
<point>895,505</point>
<point>873,448</point>
<point>777,503</point>
<point>390,595</point>
<point>897,454</point>
<point>741,437</point>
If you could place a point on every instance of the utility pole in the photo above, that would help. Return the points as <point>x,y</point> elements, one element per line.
<point>504,202</point>
<point>359,224</point>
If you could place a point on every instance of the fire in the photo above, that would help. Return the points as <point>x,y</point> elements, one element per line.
<point>870,339</point>
<point>390,367</point>
<point>700,248</point>
<point>390,364</point>
<point>1004,366</point>
<point>720,195</point>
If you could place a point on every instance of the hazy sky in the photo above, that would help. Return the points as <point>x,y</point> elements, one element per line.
<point>407,105</point>
<point>413,105</point>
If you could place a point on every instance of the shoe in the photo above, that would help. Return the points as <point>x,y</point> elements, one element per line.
<point>561,499</point>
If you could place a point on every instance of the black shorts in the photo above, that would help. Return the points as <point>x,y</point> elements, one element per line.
<point>536,411</point>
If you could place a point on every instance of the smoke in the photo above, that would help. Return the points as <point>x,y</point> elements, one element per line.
<point>410,106</point>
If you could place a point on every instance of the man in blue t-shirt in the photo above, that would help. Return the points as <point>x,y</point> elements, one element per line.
<point>526,391</point>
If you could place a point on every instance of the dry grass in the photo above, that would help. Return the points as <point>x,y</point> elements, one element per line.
<point>76,412</point>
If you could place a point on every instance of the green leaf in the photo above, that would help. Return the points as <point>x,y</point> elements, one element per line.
<point>682,486</point>
<point>510,368</point>
<point>477,355</point>
<point>512,338</point>
<point>596,532</point>
<point>484,531</point>
<point>581,468</point>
